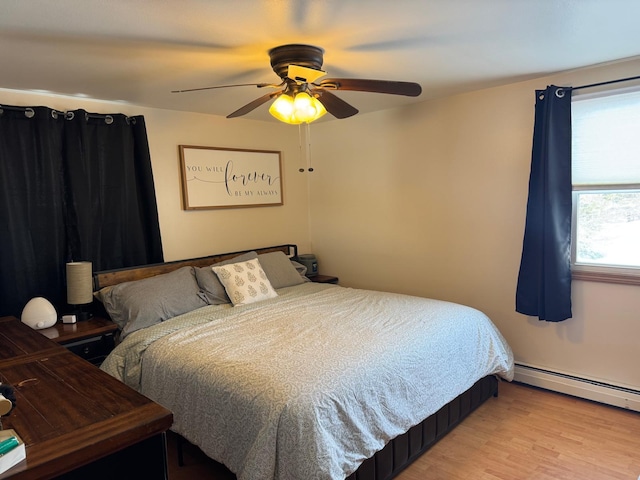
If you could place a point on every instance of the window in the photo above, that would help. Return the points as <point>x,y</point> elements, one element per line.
<point>606,186</point>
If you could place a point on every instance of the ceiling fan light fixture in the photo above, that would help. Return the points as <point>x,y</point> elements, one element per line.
<point>302,109</point>
<point>299,67</point>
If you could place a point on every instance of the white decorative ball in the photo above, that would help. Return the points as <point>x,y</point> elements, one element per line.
<point>38,313</point>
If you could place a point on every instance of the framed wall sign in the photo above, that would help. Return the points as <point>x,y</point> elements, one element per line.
<point>229,177</point>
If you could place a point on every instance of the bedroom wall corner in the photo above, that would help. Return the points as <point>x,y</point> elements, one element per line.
<point>431,199</point>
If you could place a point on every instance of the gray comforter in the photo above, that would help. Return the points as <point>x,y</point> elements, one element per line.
<point>309,384</point>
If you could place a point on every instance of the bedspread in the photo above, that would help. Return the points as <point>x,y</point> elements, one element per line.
<point>311,383</point>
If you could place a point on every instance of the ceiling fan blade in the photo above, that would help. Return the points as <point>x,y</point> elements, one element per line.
<point>334,105</point>
<point>259,85</point>
<point>255,104</point>
<point>408,89</point>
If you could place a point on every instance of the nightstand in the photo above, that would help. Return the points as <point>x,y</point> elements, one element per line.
<point>323,279</point>
<point>91,339</point>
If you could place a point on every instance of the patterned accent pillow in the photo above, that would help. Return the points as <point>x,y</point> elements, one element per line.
<point>245,282</point>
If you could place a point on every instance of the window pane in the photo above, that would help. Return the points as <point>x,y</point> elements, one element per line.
<point>608,228</point>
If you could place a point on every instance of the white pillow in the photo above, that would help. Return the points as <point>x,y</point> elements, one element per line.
<point>245,282</point>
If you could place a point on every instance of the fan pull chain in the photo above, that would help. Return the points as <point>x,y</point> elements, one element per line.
<point>309,167</point>
<point>301,169</point>
<point>306,155</point>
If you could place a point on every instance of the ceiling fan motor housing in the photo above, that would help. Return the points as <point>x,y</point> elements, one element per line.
<point>303,55</point>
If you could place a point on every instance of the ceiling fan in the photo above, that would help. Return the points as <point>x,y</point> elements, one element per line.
<point>302,100</point>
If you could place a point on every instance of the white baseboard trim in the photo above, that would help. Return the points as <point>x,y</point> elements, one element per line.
<point>578,387</point>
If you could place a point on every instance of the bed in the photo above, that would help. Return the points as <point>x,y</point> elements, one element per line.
<point>301,379</point>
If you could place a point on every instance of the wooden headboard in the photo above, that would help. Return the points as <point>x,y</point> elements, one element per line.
<point>107,278</point>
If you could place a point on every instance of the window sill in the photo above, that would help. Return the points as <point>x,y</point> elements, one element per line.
<point>606,277</point>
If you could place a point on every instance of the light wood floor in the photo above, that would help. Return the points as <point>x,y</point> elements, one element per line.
<point>524,434</point>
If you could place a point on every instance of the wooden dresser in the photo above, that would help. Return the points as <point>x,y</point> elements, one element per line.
<point>77,421</point>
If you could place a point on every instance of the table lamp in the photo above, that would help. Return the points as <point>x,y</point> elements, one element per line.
<point>79,288</point>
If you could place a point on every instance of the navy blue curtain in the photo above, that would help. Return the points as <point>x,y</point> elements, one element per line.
<point>544,280</point>
<point>73,186</point>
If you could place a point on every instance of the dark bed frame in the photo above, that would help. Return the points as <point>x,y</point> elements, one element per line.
<point>400,452</point>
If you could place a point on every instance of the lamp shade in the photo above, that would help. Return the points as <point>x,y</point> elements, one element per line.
<point>39,313</point>
<point>79,283</point>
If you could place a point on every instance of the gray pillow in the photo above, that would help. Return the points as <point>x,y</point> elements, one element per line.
<point>212,290</point>
<point>280,270</point>
<point>301,269</point>
<point>142,303</point>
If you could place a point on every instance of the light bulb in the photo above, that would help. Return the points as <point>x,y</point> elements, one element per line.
<point>303,109</point>
<point>282,108</point>
<point>307,108</point>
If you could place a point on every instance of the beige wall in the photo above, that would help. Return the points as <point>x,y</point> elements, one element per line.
<point>431,200</point>
<point>188,234</point>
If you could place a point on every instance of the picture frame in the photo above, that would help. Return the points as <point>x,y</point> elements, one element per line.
<point>216,177</point>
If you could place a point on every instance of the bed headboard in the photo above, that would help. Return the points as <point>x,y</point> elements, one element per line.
<point>107,278</point>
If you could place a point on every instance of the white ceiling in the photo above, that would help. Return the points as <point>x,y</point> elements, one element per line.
<point>137,51</point>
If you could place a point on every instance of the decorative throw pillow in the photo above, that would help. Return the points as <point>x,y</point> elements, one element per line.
<point>213,291</point>
<point>245,282</point>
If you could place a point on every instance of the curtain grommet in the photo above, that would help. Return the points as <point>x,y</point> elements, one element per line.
<point>108,119</point>
<point>560,92</point>
<point>69,115</point>
<point>29,112</point>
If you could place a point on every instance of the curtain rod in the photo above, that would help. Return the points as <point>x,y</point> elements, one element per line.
<point>605,83</point>
<point>30,112</point>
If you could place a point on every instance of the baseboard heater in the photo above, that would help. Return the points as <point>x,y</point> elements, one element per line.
<point>601,392</point>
